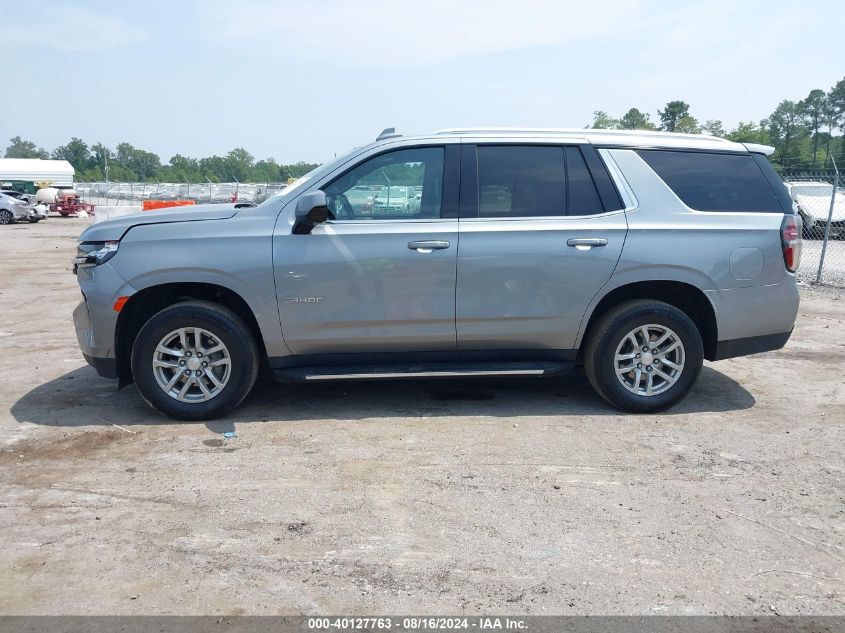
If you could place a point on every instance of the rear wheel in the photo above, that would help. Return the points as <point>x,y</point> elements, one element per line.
<point>643,356</point>
<point>195,360</point>
<point>6,216</point>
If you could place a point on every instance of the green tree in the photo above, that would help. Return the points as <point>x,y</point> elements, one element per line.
<point>714,128</point>
<point>836,110</point>
<point>76,152</point>
<point>633,119</point>
<point>19,148</point>
<point>814,108</point>
<point>831,120</point>
<point>267,170</point>
<point>101,157</point>
<point>787,124</point>
<point>214,168</point>
<point>297,170</point>
<point>688,125</point>
<point>671,114</point>
<point>602,121</point>
<point>184,168</point>
<point>140,162</point>
<point>750,132</point>
<point>238,165</point>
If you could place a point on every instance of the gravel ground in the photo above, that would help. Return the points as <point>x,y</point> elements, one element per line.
<point>517,496</point>
<point>833,273</point>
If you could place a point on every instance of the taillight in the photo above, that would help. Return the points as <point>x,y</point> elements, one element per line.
<point>790,239</point>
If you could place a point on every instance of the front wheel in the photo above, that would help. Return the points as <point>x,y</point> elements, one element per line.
<point>644,356</point>
<point>6,216</point>
<point>195,360</point>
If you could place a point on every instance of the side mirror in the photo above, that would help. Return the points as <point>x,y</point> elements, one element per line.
<point>311,210</point>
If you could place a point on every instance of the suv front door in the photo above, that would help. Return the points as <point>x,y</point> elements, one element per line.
<point>379,275</point>
<point>542,228</point>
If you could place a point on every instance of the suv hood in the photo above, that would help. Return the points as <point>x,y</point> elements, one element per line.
<point>115,229</point>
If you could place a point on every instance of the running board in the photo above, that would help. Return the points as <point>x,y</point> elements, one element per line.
<point>425,370</point>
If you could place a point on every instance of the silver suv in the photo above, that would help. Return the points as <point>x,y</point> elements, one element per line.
<point>526,252</point>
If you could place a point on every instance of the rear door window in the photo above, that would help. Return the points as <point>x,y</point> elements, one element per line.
<point>521,181</point>
<point>534,181</point>
<point>708,181</point>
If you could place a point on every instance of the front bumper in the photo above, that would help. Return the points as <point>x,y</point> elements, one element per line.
<point>95,319</point>
<point>21,212</point>
<point>106,367</point>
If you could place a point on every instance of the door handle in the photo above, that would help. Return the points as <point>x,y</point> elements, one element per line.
<point>586,243</point>
<point>427,246</point>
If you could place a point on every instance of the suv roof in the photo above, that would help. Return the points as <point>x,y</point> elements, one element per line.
<point>627,138</point>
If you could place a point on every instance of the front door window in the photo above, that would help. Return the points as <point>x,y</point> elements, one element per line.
<point>398,185</point>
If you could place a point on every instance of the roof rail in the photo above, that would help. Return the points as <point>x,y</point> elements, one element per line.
<point>571,130</point>
<point>388,132</point>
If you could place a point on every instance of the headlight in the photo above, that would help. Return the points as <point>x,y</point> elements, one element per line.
<point>94,253</point>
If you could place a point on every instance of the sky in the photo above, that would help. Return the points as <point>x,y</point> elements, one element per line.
<point>309,80</point>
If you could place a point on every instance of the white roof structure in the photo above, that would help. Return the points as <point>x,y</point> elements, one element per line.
<point>56,172</point>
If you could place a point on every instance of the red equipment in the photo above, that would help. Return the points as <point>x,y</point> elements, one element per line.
<point>69,205</point>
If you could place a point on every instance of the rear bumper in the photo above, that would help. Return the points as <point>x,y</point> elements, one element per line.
<point>750,345</point>
<point>755,312</point>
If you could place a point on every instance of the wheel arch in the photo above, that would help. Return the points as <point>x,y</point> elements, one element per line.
<point>684,296</point>
<point>146,302</point>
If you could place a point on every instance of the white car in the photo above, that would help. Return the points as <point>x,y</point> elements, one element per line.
<point>14,209</point>
<point>813,201</point>
<point>395,200</point>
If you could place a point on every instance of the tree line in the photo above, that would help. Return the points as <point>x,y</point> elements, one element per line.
<point>126,163</point>
<point>803,132</point>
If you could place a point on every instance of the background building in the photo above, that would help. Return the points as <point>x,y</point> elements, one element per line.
<point>28,174</point>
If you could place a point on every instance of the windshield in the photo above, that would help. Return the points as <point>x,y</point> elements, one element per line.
<point>317,172</point>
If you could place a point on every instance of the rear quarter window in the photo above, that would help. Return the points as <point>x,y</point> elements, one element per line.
<point>714,182</point>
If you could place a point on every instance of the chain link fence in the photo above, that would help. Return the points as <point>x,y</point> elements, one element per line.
<point>134,193</point>
<point>820,199</point>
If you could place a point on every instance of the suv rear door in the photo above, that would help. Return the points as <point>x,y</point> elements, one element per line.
<point>541,230</point>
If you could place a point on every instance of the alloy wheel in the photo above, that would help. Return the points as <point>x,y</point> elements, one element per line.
<point>649,359</point>
<point>192,365</point>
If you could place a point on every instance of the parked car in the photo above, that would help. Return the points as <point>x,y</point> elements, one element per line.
<point>15,210</point>
<point>391,201</point>
<point>20,195</point>
<point>813,201</point>
<point>636,255</point>
<point>361,198</point>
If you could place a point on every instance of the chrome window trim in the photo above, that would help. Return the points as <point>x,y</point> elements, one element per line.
<point>369,222</point>
<point>629,199</point>
<point>543,218</point>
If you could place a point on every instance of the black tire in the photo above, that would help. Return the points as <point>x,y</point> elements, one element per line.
<point>34,220</point>
<point>608,333</point>
<point>6,217</point>
<point>226,326</point>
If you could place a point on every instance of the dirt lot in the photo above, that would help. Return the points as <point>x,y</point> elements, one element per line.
<point>516,496</point>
